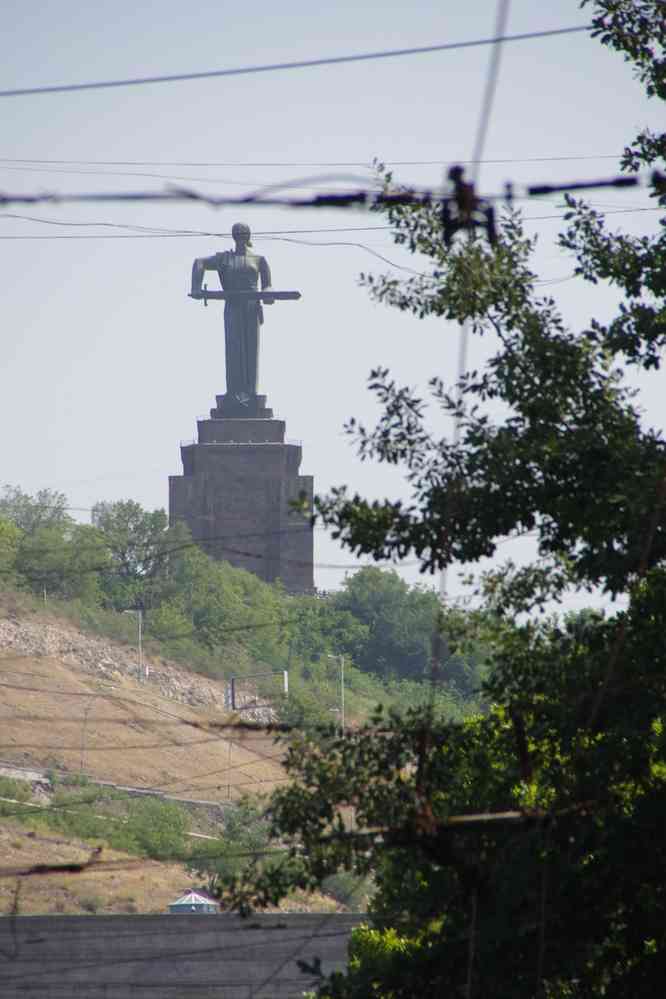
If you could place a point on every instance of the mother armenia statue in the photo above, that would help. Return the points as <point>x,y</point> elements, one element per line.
<point>246,286</point>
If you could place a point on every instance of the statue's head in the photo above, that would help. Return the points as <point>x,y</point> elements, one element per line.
<point>240,233</point>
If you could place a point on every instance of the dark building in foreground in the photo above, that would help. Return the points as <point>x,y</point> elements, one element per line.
<point>169,956</point>
<point>240,478</point>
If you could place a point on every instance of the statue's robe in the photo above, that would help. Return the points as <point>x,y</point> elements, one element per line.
<point>242,317</point>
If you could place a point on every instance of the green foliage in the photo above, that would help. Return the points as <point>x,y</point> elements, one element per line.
<point>322,627</point>
<point>142,826</point>
<point>348,889</point>
<point>10,539</point>
<point>225,605</point>
<point>399,619</point>
<point>63,560</point>
<point>29,513</point>
<point>378,957</point>
<point>16,790</point>
<point>90,903</point>
<point>311,704</point>
<point>244,840</point>
<point>401,622</point>
<point>157,827</point>
<point>220,620</point>
<point>44,550</point>
<point>518,852</point>
<point>139,545</point>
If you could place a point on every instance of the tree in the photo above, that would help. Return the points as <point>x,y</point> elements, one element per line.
<point>63,559</point>
<point>159,828</point>
<point>245,839</point>
<point>521,852</point>
<point>10,538</point>
<point>140,544</point>
<point>46,508</point>
<point>400,621</point>
<point>321,628</point>
<point>52,552</point>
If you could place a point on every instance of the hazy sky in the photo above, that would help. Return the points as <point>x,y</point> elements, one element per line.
<point>107,363</point>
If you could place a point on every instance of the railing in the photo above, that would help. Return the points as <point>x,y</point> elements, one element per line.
<point>287,440</point>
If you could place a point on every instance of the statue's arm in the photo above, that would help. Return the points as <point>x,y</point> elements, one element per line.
<point>265,275</point>
<point>199,268</point>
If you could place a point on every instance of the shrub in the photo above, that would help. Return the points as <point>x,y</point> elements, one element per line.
<point>17,790</point>
<point>90,903</point>
<point>348,889</point>
<point>157,827</point>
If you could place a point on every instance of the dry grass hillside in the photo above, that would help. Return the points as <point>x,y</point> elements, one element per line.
<point>78,703</point>
<point>119,884</point>
<point>127,884</point>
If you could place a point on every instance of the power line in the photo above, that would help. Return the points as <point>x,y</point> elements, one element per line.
<point>65,985</point>
<point>491,85</point>
<point>610,211</point>
<point>283,239</point>
<point>108,570</point>
<point>28,168</point>
<point>156,231</point>
<point>191,235</point>
<point>242,729</point>
<point>296,64</point>
<point>361,198</point>
<point>479,144</point>
<point>300,182</point>
<point>328,163</point>
<point>111,748</point>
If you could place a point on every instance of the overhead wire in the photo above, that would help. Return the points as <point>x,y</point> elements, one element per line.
<point>283,239</point>
<point>291,65</point>
<point>192,954</point>
<point>225,73</point>
<point>277,234</point>
<point>266,233</point>
<point>490,88</point>
<point>299,182</point>
<point>300,242</point>
<point>353,163</point>
<point>109,570</point>
<point>351,199</point>
<point>121,173</point>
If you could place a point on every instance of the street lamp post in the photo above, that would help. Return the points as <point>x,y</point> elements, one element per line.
<point>342,688</point>
<point>83,731</point>
<point>139,615</point>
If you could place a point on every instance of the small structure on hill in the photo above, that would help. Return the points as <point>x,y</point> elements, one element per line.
<point>194,901</point>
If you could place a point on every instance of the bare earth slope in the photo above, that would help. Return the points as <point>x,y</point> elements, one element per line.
<point>77,702</point>
<point>127,884</point>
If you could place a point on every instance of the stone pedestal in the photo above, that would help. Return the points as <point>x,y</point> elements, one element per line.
<point>239,479</point>
<point>253,408</point>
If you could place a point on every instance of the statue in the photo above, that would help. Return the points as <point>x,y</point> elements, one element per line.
<point>240,272</point>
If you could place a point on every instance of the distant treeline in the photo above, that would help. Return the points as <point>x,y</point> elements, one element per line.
<point>221,621</point>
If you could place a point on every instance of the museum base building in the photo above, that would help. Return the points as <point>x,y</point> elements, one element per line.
<point>240,481</point>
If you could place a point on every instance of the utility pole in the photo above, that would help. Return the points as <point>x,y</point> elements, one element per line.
<point>342,688</point>
<point>467,202</point>
<point>139,614</point>
<point>83,730</point>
